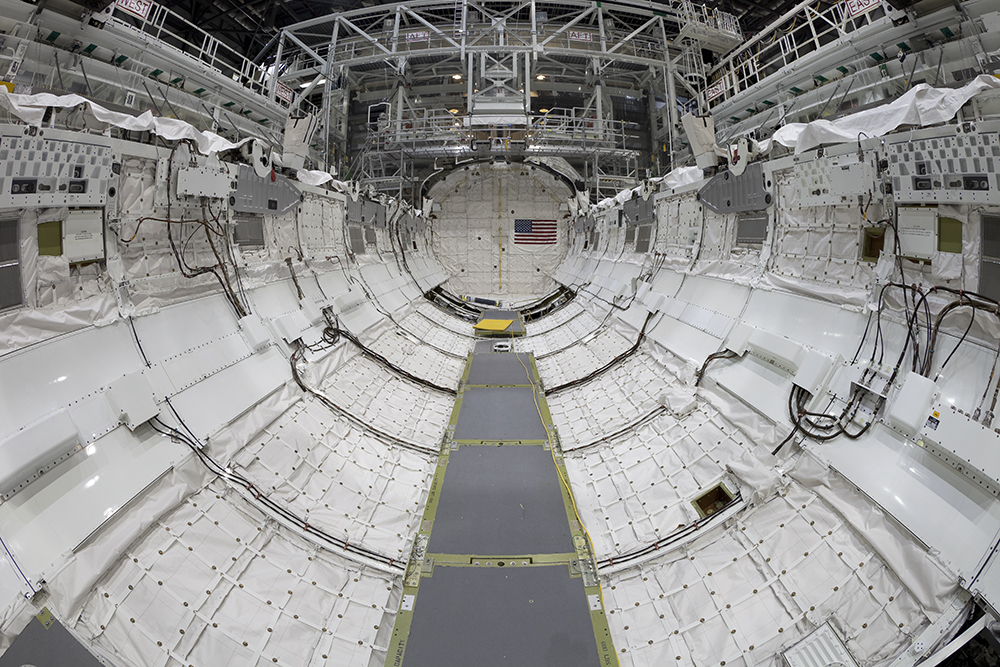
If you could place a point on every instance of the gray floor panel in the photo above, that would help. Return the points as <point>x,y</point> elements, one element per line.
<point>493,617</point>
<point>500,501</point>
<point>54,647</point>
<point>506,413</point>
<point>501,369</point>
<point>484,347</point>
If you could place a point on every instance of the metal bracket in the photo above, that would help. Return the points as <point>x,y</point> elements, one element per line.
<point>728,193</point>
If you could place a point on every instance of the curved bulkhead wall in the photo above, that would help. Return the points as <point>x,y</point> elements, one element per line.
<point>214,493</point>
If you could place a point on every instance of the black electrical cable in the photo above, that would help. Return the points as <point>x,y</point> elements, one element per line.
<point>263,500</point>
<point>656,412</point>
<point>295,278</point>
<point>986,390</point>
<point>297,356</point>
<point>670,539</point>
<point>725,354</point>
<point>972,319</point>
<point>608,366</point>
<point>372,354</point>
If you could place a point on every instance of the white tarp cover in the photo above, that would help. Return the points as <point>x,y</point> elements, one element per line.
<point>920,106</point>
<point>31,109</point>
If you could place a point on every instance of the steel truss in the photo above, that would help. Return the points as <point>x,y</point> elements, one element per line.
<point>439,79</point>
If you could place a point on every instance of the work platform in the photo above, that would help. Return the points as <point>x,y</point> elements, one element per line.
<point>501,571</point>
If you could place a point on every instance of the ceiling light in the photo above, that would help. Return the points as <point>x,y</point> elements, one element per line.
<point>540,77</point>
<point>309,83</point>
<point>543,110</point>
<point>456,77</point>
<point>452,110</point>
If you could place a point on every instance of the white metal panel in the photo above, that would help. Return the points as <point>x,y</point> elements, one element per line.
<point>11,584</point>
<point>667,282</point>
<point>25,453</point>
<point>757,384</point>
<point>361,318</point>
<point>194,365</point>
<point>275,299</point>
<point>722,296</point>
<point>59,510</point>
<point>684,340</point>
<point>696,316</point>
<point>184,326</point>
<point>941,506</point>
<point>219,399</point>
<point>821,325</point>
<point>56,373</point>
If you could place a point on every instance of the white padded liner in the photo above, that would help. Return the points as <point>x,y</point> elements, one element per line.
<point>380,398</point>
<point>344,480</point>
<point>211,586</point>
<point>437,336</point>
<point>435,314</point>
<point>638,489</point>
<point>421,360</point>
<point>610,402</point>
<point>770,577</point>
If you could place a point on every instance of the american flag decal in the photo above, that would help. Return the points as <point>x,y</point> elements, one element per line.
<point>534,232</point>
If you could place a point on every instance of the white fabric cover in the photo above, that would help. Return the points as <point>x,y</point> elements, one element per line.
<point>922,105</point>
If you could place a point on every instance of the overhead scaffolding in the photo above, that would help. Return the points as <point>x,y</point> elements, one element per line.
<point>495,80</point>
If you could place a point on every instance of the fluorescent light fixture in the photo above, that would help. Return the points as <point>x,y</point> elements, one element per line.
<point>308,83</point>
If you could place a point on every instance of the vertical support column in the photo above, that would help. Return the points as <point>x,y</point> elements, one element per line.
<point>273,84</point>
<point>328,163</point>
<point>527,83</point>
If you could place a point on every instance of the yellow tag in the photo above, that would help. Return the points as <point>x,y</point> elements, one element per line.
<point>936,414</point>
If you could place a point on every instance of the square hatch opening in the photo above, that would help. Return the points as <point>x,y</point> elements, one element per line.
<point>712,500</point>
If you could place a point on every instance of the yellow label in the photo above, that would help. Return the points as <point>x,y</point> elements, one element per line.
<point>936,414</point>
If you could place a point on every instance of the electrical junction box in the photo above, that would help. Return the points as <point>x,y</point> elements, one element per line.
<point>83,235</point>
<point>912,404</point>
<point>917,231</point>
<point>291,325</point>
<point>738,338</point>
<point>131,398</point>
<point>254,332</point>
<point>205,182</point>
<point>780,351</point>
<point>814,372</point>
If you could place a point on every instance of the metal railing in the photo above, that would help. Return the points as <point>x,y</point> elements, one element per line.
<point>801,31</point>
<point>206,49</point>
